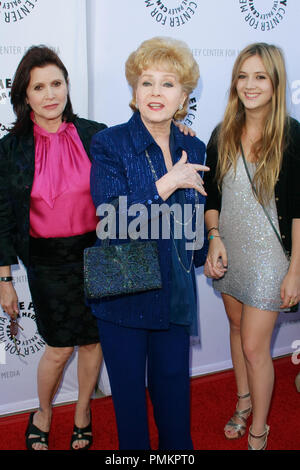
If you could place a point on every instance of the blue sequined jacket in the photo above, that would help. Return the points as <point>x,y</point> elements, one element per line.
<point>120,168</point>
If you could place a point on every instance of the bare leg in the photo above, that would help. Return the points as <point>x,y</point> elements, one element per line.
<point>89,363</point>
<point>50,370</point>
<point>234,312</point>
<point>257,327</point>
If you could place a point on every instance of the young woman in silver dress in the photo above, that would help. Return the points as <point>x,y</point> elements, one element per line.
<point>246,259</point>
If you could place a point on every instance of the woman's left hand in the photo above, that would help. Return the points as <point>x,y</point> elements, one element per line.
<point>290,290</point>
<point>214,273</point>
<point>185,129</point>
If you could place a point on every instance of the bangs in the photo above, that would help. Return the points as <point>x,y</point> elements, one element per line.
<point>160,60</point>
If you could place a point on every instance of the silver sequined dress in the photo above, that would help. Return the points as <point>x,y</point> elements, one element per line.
<point>256,261</point>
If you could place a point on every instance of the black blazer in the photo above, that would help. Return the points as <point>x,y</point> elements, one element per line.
<point>287,188</point>
<point>17,158</point>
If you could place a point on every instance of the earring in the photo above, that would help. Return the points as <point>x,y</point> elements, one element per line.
<point>180,107</point>
<point>137,106</point>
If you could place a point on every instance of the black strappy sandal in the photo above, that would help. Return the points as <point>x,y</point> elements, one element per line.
<point>41,436</point>
<point>80,434</point>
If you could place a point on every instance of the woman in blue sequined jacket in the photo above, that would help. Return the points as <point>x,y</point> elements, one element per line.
<point>151,162</point>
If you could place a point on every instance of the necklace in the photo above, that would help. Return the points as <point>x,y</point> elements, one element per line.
<point>196,194</point>
<point>187,270</point>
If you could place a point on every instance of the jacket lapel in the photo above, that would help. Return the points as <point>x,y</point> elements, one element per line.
<point>84,135</point>
<point>177,146</point>
<point>26,157</point>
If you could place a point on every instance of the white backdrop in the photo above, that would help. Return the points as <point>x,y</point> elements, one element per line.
<point>94,39</point>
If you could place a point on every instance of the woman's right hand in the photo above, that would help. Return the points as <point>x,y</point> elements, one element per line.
<point>185,175</point>
<point>216,261</point>
<point>9,299</point>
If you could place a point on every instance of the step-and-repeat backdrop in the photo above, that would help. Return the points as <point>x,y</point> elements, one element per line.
<point>94,39</point>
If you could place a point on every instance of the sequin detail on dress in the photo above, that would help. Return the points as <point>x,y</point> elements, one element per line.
<point>256,262</point>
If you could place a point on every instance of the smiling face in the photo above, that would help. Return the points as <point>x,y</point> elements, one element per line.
<point>158,96</point>
<point>47,95</point>
<point>254,86</point>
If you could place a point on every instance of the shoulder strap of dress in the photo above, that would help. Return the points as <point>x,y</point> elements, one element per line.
<point>264,209</point>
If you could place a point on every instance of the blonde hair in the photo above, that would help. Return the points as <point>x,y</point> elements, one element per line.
<point>169,53</point>
<point>269,150</point>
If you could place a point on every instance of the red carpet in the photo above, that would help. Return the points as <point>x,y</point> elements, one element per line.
<point>213,402</point>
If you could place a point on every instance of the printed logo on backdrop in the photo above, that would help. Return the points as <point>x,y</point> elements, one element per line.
<point>295,87</point>
<point>5,90</point>
<point>172,13</point>
<point>28,341</point>
<point>5,87</point>
<point>215,52</point>
<point>190,118</point>
<point>296,92</point>
<point>16,10</point>
<point>3,129</point>
<point>263,15</point>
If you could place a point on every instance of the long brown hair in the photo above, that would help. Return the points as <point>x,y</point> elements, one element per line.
<point>269,149</point>
<point>36,56</point>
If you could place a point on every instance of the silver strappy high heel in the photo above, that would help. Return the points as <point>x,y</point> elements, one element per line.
<point>264,434</point>
<point>242,416</point>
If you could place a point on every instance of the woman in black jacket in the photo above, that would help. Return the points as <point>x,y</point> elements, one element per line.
<point>47,218</point>
<point>254,157</point>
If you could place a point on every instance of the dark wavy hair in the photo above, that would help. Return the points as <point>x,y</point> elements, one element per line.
<point>36,56</point>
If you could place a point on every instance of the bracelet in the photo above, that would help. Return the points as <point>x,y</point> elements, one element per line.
<point>214,236</point>
<point>6,279</point>
<point>213,228</point>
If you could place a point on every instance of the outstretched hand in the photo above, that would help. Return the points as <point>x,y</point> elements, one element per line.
<point>186,175</point>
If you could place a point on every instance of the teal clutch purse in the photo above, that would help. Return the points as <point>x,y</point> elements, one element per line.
<point>127,268</point>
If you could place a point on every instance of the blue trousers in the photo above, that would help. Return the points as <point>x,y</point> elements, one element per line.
<point>128,354</point>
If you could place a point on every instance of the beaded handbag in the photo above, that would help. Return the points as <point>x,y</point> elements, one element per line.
<point>126,268</point>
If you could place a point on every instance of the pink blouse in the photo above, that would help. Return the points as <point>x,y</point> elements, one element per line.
<point>61,204</point>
